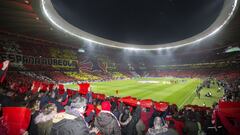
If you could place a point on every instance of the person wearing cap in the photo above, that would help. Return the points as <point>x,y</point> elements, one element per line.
<point>72,121</point>
<point>106,121</point>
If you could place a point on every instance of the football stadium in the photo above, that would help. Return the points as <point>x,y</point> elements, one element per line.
<point>130,67</point>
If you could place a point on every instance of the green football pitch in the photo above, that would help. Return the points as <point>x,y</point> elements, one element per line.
<point>180,91</point>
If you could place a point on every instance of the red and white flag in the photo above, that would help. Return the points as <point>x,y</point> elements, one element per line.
<point>3,70</point>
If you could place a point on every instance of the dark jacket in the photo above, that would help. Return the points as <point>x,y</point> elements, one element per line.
<point>75,126</point>
<point>44,123</point>
<point>190,127</point>
<point>6,101</point>
<point>32,130</point>
<point>107,124</point>
<point>129,126</point>
<point>44,100</point>
<point>140,127</point>
<point>1,72</point>
<point>155,114</point>
<point>89,97</point>
<point>171,131</point>
<point>59,106</point>
<point>69,123</point>
<point>90,117</point>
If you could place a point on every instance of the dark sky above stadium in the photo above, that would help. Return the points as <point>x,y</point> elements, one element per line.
<point>140,21</point>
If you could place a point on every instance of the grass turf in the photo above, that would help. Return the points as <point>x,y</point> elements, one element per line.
<point>158,89</point>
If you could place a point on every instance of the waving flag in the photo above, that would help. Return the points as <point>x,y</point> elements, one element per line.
<point>161,106</point>
<point>129,100</point>
<point>17,119</point>
<point>146,103</point>
<point>83,88</point>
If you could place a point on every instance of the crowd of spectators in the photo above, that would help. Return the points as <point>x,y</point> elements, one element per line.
<point>118,75</point>
<point>82,76</point>
<point>231,90</point>
<point>60,112</point>
<point>230,75</point>
<point>53,112</point>
<point>59,76</point>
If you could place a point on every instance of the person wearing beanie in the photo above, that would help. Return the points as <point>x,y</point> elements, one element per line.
<point>106,122</point>
<point>128,122</point>
<point>158,128</point>
<point>44,119</point>
<point>72,121</point>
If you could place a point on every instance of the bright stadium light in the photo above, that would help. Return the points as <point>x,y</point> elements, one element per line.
<point>81,50</point>
<point>224,17</point>
<point>232,49</point>
<point>26,1</point>
<point>133,49</point>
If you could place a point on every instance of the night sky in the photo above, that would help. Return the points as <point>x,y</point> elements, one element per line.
<point>140,21</point>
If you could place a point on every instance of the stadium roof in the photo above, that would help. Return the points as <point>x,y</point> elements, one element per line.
<point>25,17</point>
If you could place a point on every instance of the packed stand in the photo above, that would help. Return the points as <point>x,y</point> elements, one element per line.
<point>64,111</point>
<point>49,109</point>
<point>82,76</point>
<point>60,77</point>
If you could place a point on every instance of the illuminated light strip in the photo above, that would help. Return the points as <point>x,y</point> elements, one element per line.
<point>205,34</point>
<point>73,34</point>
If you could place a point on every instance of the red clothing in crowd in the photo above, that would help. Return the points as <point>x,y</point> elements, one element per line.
<point>145,117</point>
<point>178,125</point>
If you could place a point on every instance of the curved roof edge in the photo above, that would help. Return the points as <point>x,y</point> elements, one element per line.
<point>229,8</point>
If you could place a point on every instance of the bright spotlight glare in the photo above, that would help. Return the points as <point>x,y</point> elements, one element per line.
<point>133,49</point>
<point>81,50</point>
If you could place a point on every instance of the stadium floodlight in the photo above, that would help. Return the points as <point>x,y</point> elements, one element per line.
<point>26,1</point>
<point>232,49</point>
<point>224,17</point>
<point>81,50</point>
<point>133,49</point>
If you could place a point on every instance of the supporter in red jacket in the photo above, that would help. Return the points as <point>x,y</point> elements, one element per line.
<point>146,115</point>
